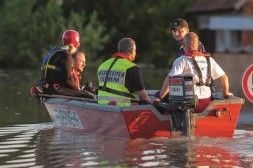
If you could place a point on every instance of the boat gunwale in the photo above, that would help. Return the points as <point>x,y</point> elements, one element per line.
<point>215,102</point>
<point>107,108</point>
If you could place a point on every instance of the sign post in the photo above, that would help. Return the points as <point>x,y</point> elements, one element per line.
<point>247,83</point>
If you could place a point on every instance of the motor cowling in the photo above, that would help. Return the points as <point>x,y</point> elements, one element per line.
<point>182,93</point>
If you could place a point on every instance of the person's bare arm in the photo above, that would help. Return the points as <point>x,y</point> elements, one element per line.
<point>143,96</point>
<point>225,85</point>
<point>165,88</point>
<point>163,92</point>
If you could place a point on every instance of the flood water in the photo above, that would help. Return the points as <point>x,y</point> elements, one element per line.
<point>40,145</point>
<point>28,139</point>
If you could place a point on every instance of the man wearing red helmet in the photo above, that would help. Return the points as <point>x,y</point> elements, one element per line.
<point>71,37</point>
<point>57,68</point>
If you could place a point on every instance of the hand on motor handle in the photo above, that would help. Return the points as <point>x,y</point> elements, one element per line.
<point>228,94</point>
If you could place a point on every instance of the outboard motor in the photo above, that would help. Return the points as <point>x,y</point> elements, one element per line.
<point>182,95</point>
<point>182,101</point>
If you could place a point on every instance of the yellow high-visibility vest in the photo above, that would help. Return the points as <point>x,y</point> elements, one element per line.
<point>115,89</point>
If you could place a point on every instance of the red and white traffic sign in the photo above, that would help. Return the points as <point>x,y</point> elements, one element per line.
<point>247,83</point>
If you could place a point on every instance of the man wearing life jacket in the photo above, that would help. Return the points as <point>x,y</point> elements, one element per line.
<point>179,28</point>
<point>119,78</point>
<point>57,68</point>
<point>202,66</point>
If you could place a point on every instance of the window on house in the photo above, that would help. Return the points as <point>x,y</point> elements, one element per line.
<point>236,41</point>
<point>228,41</point>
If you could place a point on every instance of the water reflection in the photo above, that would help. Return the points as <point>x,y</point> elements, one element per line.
<point>184,152</point>
<point>17,147</point>
<point>40,145</point>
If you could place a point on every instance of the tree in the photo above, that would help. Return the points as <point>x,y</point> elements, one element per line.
<point>13,31</point>
<point>92,32</point>
<point>31,28</point>
<point>146,21</point>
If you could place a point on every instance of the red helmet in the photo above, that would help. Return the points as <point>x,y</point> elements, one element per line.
<point>71,37</point>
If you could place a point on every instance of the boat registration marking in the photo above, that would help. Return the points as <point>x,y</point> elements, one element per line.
<point>176,90</point>
<point>67,118</point>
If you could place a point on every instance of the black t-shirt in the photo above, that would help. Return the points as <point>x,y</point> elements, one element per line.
<point>134,81</point>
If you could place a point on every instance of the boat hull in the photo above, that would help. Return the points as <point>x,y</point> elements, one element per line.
<point>219,119</point>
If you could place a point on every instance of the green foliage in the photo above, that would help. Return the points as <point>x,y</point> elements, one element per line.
<point>31,28</point>
<point>46,26</point>
<point>146,21</point>
<point>13,31</point>
<point>27,34</point>
<point>94,37</point>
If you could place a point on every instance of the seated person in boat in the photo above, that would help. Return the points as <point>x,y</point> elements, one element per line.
<point>79,65</point>
<point>202,66</point>
<point>120,79</point>
<point>179,28</point>
<point>57,75</point>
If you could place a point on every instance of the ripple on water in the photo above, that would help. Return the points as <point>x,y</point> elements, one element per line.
<point>40,145</point>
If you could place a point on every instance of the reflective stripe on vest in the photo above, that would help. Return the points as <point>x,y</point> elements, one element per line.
<point>46,61</point>
<point>115,81</point>
<point>106,89</point>
<point>52,67</point>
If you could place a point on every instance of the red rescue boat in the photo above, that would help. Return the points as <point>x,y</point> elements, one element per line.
<point>219,119</point>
